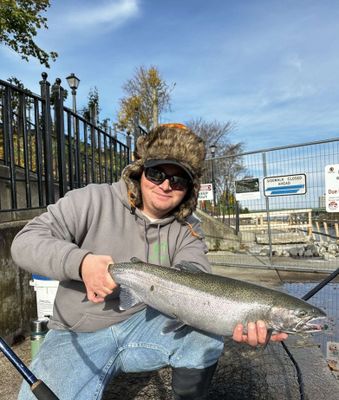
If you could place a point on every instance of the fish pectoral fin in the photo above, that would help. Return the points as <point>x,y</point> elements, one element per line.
<point>173,325</point>
<point>188,267</point>
<point>128,298</point>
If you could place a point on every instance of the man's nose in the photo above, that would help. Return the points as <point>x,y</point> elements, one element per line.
<point>166,185</point>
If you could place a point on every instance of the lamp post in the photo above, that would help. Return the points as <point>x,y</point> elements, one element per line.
<point>213,148</point>
<point>73,83</point>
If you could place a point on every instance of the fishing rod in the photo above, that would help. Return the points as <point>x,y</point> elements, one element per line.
<point>40,390</point>
<point>306,297</point>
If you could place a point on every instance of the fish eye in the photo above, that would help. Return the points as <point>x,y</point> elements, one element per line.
<point>301,313</point>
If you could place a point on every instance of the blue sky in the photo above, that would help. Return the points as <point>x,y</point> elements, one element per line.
<point>270,66</point>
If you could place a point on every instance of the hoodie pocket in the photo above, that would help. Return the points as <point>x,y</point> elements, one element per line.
<point>91,323</point>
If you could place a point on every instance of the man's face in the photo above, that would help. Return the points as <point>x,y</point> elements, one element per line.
<point>160,200</point>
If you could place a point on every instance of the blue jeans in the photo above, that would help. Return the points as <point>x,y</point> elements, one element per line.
<point>79,365</point>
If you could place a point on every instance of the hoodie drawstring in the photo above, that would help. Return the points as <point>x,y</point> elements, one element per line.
<point>146,243</point>
<point>159,245</point>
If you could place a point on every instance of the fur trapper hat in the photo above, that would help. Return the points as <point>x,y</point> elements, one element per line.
<point>177,144</point>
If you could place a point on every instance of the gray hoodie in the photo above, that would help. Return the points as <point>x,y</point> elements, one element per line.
<point>97,219</point>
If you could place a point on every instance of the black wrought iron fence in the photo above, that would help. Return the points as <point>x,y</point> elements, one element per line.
<point>46,149</point>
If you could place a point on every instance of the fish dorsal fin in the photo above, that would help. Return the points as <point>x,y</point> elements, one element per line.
<point>188,267</point>
<point>128,298</point>
<point>136,260</point>
<point>173,325</point>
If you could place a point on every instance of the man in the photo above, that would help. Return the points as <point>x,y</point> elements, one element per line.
<point>148,215</point>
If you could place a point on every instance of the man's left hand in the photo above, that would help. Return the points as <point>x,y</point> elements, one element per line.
<point>256,334</point>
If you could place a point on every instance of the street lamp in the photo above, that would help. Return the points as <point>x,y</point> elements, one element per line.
<point>213,148</point>
<point>73,83</point>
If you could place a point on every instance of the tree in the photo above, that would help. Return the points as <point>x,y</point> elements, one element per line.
<point>215,132</point>
<point>19,23</point>
<point>92,110</point>
<point>227,165</point>
<point>147,96</point>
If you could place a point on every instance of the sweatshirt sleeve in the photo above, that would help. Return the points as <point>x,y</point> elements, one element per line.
<point>193,247</point>
<point>47,245</point>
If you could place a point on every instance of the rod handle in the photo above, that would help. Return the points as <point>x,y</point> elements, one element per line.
<point>42,392</point>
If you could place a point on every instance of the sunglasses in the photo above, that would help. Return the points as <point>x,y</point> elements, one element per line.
<point>156,176</point>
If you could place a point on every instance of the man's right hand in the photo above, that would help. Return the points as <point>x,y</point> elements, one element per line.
<point>95,275</point>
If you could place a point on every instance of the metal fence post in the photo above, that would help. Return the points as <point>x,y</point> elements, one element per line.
<point>46,126</point>
<point>128,141</point>
<point>58,94</point>
<point>9,143</point>
<point>267,203</point>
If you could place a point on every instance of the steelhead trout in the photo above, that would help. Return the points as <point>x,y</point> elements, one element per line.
<point>209,302</point>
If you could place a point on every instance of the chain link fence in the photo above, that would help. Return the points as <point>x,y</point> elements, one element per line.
<point>274,201</point>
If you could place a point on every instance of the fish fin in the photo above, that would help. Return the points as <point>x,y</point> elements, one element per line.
<point>268,337</point>
<point>188,267</point>
<point>110,269</point>
<point>173,325</point>
<point>136,260</point>
<point>128,298</point>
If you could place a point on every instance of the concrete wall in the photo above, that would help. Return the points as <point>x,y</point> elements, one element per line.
<point>17,298</point>
<point>218,235</point>
<point>5,189</point>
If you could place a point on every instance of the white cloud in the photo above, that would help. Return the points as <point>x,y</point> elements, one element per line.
<point>114,12</point>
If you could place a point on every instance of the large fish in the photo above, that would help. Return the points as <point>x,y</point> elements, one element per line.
<point>209,302</point>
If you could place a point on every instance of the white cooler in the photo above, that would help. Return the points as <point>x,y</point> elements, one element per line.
<point>45,290</point>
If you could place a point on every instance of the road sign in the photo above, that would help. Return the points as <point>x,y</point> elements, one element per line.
<point>286,185</point>
<point>206,192</point>
<point>332,187</point>
<point>247,189</point>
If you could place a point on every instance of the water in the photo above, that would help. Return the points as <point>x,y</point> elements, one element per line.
<point>328,300</point>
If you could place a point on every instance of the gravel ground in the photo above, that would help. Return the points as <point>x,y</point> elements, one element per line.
<point>10,379</point>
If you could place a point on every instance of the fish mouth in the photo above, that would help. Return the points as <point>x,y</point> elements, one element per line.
<point>313,325</point>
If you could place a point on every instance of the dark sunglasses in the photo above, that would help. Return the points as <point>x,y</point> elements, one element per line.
<point>156,176</point>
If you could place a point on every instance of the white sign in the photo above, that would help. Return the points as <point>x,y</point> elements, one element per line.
<point>332,187</point>
<point>247,189</point>
<point>285,185</point>
<point>205,192</point>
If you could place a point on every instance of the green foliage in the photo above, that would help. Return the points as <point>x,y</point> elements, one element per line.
<point>216,244</point>
<point>19,22</point>
<point>92,110</point>
<point>15,97</point>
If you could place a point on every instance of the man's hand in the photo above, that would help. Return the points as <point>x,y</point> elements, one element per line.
<point>98,282</point>
<point>256,334</point>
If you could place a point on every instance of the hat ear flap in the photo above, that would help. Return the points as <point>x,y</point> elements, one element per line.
<point>187,207</point>
<point>132,175</point>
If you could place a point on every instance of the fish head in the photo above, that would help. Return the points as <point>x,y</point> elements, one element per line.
<point>301,318</point>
